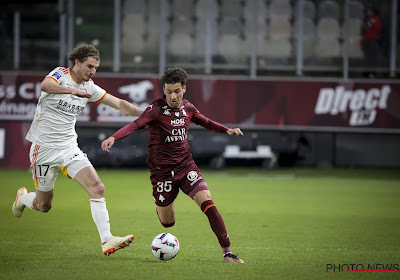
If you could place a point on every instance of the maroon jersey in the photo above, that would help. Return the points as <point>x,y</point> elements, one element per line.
<point>168,130</point>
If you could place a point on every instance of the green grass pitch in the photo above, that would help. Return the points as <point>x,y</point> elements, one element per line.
<point>285,224</point>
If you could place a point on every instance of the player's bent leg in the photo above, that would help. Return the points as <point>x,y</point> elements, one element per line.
<point>43,201</point>
<point>90,181</point>
<point>166,214</point>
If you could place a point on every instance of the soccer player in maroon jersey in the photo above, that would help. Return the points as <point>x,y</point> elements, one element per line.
<point>169,157</point>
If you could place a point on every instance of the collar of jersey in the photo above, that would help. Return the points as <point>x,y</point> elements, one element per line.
<point>69,71</point>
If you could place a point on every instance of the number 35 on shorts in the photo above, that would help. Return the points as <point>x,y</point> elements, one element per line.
<point>165,186</point>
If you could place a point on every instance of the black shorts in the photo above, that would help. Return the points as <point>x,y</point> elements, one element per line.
<point>166,185</point>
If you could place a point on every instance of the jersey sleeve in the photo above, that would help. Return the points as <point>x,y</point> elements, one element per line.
<point>58,75</point>
<point>199,119</point>
<point>97,92</point>
<point>144,119</point>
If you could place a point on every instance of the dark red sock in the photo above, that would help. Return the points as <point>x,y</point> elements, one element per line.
<point>217,224</point>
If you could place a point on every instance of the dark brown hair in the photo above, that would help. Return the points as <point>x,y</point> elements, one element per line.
<point>83,52</point>
<point>174,75</point>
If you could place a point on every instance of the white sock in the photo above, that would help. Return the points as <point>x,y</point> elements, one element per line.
<point>27,199</point>
<point>101,218</point>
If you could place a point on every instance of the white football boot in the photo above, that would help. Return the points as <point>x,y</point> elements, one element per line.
<point>17,207</point>
<point>115,243</point>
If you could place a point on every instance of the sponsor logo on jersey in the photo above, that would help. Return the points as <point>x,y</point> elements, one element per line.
<point>56,75</point>
<point>178,122</point>
<point>363,104</point>
<point>69,108</point>
<point>177,134</point>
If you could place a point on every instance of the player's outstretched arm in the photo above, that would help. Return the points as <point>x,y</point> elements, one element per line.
<point>50,86</point>
<point>235,131</point>
<point>121,105</point>
<point>209,124</point>
<point>107,144</point>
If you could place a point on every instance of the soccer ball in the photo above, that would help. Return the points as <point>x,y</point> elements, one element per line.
<point>165,246</point>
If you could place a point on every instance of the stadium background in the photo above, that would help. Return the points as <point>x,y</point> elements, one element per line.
<point>246,68</point>
<point>309,102</point>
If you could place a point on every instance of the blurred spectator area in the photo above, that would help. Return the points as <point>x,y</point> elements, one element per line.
<point>140,32</point>
<point>39,38</point>
<point>232,25</point>
<point>228,23</point>
<point>95,26</point>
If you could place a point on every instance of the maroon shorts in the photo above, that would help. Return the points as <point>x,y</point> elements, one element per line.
<point>166,185</point>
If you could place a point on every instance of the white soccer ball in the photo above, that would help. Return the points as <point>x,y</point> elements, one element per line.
<point>165,246</point>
